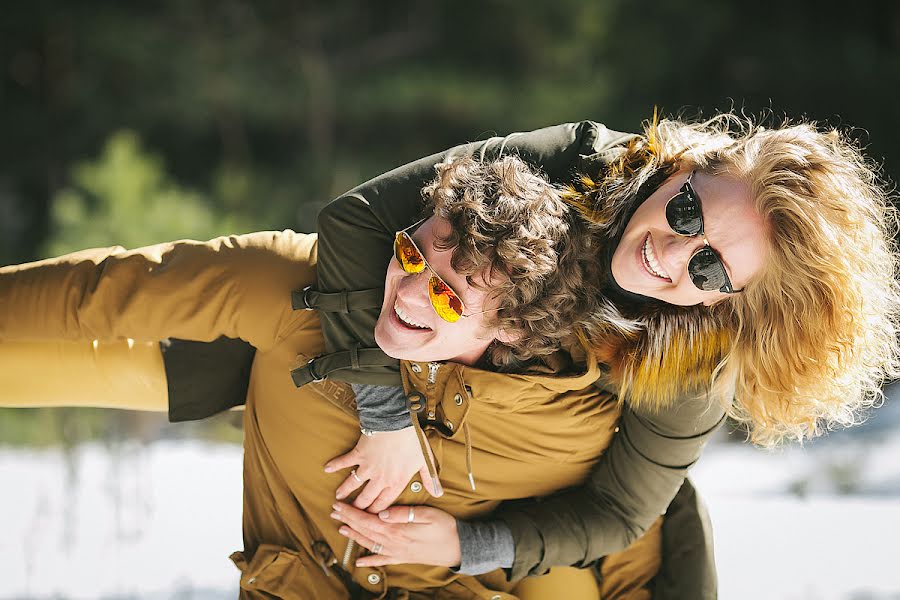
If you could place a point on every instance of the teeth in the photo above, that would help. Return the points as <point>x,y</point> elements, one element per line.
<point>650,260</point>
<point>407,319</point>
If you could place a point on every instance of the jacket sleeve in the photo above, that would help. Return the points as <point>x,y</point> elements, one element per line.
<point>631,485</point>
<point>238,286</point>
<point>356,230</point>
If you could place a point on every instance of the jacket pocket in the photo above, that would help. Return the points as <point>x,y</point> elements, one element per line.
<point>287,574</point>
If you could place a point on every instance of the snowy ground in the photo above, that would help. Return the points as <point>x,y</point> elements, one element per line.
<point>158,522</point>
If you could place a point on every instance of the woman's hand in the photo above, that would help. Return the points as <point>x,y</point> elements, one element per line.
<point>402,534</point>
<point>386,460</point>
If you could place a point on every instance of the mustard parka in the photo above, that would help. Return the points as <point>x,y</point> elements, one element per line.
<point>528,434</point>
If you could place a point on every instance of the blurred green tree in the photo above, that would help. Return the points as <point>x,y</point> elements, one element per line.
<point>125,197</point>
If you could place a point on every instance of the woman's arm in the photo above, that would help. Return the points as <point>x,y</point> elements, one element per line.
<point>238,286</point>
<point>626,491</point>
<point>631,485</point>
<point>357,229</point>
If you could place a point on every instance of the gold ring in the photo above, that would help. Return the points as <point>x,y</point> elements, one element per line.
<point>376,549</point>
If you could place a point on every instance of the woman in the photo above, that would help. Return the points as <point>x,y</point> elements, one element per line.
<point>792,332</point>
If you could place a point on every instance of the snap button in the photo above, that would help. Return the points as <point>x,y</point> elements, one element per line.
<point>616,430</point>
<point>416,368</point>
<point>374,578</point>
<point>430,414</point>
<point>251,581</point>
<point>414,401</point>
<point>458,399</point>
<point>416,486</point>
<point>449,424</point>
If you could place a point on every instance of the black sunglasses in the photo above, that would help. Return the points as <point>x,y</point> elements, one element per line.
<point>685,217</point>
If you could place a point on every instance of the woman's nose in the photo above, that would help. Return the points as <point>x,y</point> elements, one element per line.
<point>680,249</point>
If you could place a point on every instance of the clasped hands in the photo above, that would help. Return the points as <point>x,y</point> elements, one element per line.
<point>382,464</point>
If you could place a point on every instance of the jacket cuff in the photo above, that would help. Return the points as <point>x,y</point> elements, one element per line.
<point>381,408</point>
<point>528,547</point>
<point>484,546</point>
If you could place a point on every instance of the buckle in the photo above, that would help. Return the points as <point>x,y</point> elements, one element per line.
<point>312,370</point>
<point>305,299</point>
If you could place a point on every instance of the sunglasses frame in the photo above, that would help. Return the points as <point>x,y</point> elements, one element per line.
<point>434,275</point>
<point>688,191</point>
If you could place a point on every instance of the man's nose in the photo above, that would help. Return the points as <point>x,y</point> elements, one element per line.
<point>414,288</point>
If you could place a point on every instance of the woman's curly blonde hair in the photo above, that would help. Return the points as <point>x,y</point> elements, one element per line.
<point>812,339</point>
<point>511,228</point>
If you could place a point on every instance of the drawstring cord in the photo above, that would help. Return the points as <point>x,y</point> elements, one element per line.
<point>426,452</point>
<point>469,454</point>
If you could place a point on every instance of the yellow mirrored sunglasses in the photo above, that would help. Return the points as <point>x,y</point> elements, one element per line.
<point>446,302</point>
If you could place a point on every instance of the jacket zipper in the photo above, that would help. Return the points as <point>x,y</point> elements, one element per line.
<point>432,371</point>
<point>348,554</point>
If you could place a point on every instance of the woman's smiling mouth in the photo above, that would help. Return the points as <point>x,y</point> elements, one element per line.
<point>651,264</point>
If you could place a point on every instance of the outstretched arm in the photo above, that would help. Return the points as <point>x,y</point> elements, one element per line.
<point>237,286</point>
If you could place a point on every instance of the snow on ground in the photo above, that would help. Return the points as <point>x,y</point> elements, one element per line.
<point>158,522</point>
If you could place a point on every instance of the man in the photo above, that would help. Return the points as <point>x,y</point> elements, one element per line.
<point>519,435</point>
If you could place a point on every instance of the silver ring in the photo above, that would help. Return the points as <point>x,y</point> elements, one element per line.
<point>376,549</point>
<point>411,516</point>
<point>355,476</point>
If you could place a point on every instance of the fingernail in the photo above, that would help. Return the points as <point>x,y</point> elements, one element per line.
<point>336,507</point>
<point>384,515</point>
<point>440,491</point>
<point>328,469</point>
<point>344,531</point>
<point>340,496</point>
<point>335,515</point>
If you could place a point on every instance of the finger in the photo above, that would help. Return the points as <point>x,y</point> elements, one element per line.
<point>362,540</point>
<point>432,485</point>
<point>384,499</point>
<point>365,523</point>
<point>368,495</point>
<point>348,486</point>
<point>400,514</point>
<point>379,560</point>
<point>344,461</point>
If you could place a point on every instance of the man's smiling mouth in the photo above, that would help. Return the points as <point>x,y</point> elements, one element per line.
<point>650,263</point>
<point>407,320</point>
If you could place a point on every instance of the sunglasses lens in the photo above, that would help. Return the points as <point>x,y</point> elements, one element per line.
<point>406,253</point>
<point>683,213</point>
<point>707,271</point>
<point>446,303</point>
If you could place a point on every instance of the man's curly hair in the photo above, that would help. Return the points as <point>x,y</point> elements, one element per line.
<point>511,227</point>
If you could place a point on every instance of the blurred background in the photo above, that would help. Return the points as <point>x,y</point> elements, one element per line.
<point>126,124</point>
